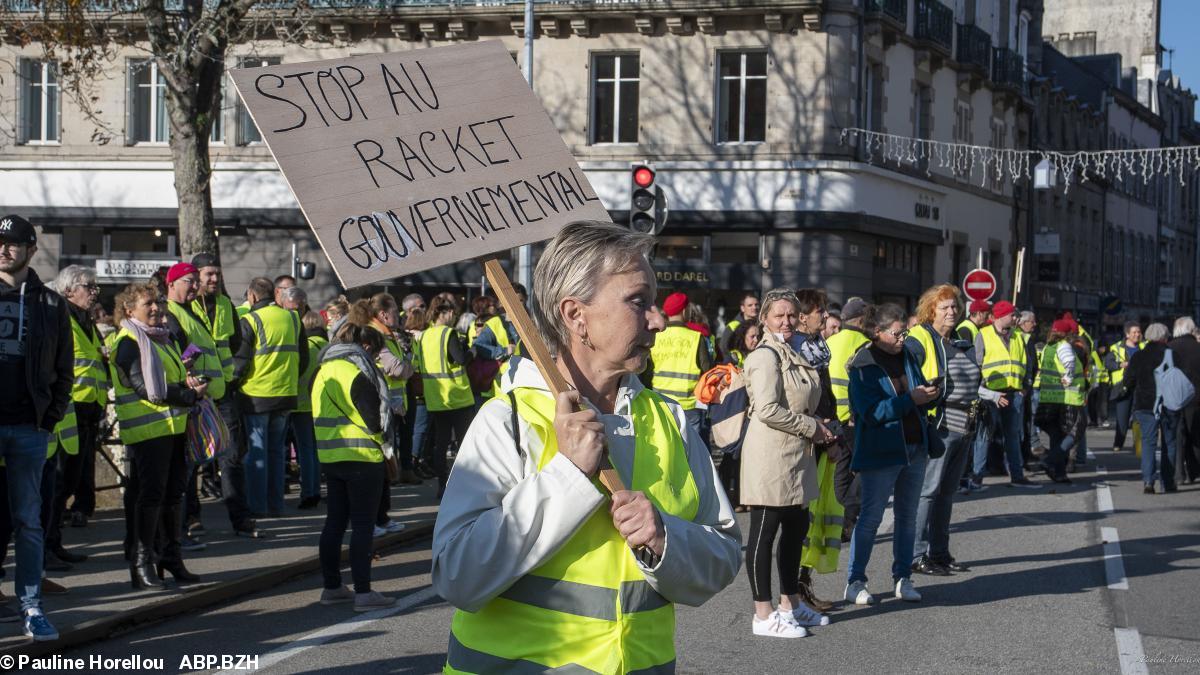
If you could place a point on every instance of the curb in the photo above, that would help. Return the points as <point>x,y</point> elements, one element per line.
<point>98,629</point>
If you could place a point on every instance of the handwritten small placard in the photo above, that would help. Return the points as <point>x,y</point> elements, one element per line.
<point>406,161</point>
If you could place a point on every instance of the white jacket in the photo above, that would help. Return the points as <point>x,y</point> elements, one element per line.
<point>502,518</point>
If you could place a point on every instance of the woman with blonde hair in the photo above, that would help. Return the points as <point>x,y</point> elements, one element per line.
<point>779,466</point>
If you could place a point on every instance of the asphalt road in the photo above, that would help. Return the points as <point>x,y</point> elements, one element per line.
<point>1041,597</point>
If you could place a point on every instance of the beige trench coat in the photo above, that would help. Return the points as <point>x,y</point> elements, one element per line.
<point>778,465</point>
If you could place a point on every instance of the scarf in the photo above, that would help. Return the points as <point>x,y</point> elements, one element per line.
<point>366,365</point>
<point>813,348</point>
<point>153,375</point>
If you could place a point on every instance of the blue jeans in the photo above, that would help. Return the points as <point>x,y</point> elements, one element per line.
<point>937,498</point>
<point>419,415</point>
<point>1010,428</point>
<point>304,436</point>
<point>1169,425</point>
<point>265,434</point>
<point>23,449</point>
<point>1122,412</point>
<point>877,485</point>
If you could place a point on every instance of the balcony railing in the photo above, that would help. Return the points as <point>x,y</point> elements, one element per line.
<point>1008,68</point>
<point>934,22</point>
<point>974,46</point>
<point>893,9</point>
<point>129,6</point>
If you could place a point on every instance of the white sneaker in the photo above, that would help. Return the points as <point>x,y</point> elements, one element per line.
<point>366,602</point>
<point>906,592</point>
<point>392,526</point>
<point>807,616</point>
<point>379,531</point>
<point>780,625</point>
<point>334,596</point>
<point>858,594</point>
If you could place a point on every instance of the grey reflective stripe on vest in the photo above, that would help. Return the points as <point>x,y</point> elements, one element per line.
<point>343,443</point>
<point>131,397</point>
<point>667,668</point>
<point>463,658</point>
<point>86,382</point>
<point>326,423</point>
<point>568,597</point>
<point>213,374</point>
<point>223,342</point>
<point>276,349</point>
<point>677,394</point>
<point>87,363</point>
<point>994,364</point>
<point>839,381</point>
<point>640,596</point>
<point>678,376</point>
<point>440,376</point>
<point>151,418</point>
<point>70,432</point>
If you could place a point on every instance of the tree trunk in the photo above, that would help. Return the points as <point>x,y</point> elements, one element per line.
<point>193,173</point>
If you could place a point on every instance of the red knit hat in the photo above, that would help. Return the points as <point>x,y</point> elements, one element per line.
<point>675,304</point>
<point>1065,325</point>
<point>180,270</point>
<point>978,306</point>
<point>1002,309</point>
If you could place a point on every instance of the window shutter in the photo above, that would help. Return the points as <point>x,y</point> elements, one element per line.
<point>22,99</point>
<point>131,133</point>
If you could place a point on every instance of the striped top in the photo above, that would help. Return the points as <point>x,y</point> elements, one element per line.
<point>964,379</point>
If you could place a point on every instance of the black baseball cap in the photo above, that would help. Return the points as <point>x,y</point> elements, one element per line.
<point>16,230</point>
<point>201,260</point>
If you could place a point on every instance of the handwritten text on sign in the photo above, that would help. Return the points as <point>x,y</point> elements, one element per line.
<point>406,161</point>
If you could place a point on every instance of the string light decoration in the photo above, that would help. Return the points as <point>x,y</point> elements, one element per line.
<point>961,158</point>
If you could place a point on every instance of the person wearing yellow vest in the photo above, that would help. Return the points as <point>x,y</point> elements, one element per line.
<point>201,359</point>
<point>154,393</point>
<point>496,340</point>
<point>1062,394</point>
<point>978,314</point>
<point>946,359</point>
<point>1001,354</point>
<point>747,314</point>
<point>442,357</point>
<point>524,513</point>
<point>842,347</point>
<point>678,358</point>
<point>745,340</point>
<point>395,361</point>
<point>1119,355</point>
<point>301,419</point>
<point>75,472</point>
<point>266,371</point>
<point>352,418</point>
<point>1027,323</point>
<point>216,312</point>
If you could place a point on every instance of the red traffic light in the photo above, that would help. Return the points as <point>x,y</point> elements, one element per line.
<point>643,177</point>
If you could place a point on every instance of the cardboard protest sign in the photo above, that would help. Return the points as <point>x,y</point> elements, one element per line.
<point>406,161</point>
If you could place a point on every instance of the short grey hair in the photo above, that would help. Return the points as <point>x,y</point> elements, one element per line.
<point>71,276</point>
<point>1156,332</point>
<point>1026,316</point>
<point>1184,327</point>
<point>575,264</point>
<point>411,300</point>
<point>293,294</point>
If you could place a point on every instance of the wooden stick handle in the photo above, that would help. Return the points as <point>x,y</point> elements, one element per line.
<point>537,350</point>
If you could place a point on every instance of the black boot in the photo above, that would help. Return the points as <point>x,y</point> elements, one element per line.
<point>142,567</point>
<point>172,555</point>
<point>141,570</point>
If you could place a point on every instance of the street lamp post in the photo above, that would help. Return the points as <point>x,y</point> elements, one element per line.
<point>525,253</point>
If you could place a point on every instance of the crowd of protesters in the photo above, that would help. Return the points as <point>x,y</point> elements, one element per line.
<point>819,415</point>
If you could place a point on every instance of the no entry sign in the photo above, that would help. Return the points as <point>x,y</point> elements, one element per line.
<point>979,284</point>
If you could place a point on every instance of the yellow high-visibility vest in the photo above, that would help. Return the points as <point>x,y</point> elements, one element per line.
<point>1003,367</point>
<point>341,433</point>
<point>91,378</point>
<point>1050,387</point>
<point>208,363</point>
<point>140,420</point>
<point>304,398</point>
<point>843,345</point>
<point>932,368</point>
<point>1120,353</point>
<point>970,326</point>
<point>243,309</point>
<point>66,434</point>
<point>275,369</point>
<point>397,387</point>
<point>445,384</point>
<point>589,608</point>
<point>221,327</point>
<point>675,370</point>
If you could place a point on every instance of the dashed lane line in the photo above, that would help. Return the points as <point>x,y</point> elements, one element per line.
<point>351,625</point>
<point>1114,566</point>
<point>1104,501</point>
<point>1129,648</point>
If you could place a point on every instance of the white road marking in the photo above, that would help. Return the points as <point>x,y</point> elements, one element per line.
<point>1114,566</point>
<point>1104,502</point>
<point>1129,648</point>
<point>351,625</point>
<point>1091,457</point>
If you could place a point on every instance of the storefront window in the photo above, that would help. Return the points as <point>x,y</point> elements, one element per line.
<point>158,241</point>
<point>680,248</point>
<point>82,241</point>
<point>734,247</point>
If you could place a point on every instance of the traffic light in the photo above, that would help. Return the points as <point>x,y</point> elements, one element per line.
<point>647,204</point>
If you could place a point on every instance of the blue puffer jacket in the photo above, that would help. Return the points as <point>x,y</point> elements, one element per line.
<point>877,412</point>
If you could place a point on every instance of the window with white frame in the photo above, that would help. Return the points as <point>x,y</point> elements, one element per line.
<point>148,103</point>
<point>40,99</point>
<point>247,132</point>
<point>741,97</point>
<point>217,135</point>
<point>615,95</point>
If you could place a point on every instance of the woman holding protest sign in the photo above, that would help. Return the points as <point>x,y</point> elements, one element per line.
<point>523,513</point>
<point>153,395</point>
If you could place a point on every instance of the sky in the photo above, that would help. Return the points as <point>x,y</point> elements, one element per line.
<point>1180,24</point>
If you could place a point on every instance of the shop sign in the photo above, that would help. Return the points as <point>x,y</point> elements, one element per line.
<point>129,269</point>
<point>670,278</point>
